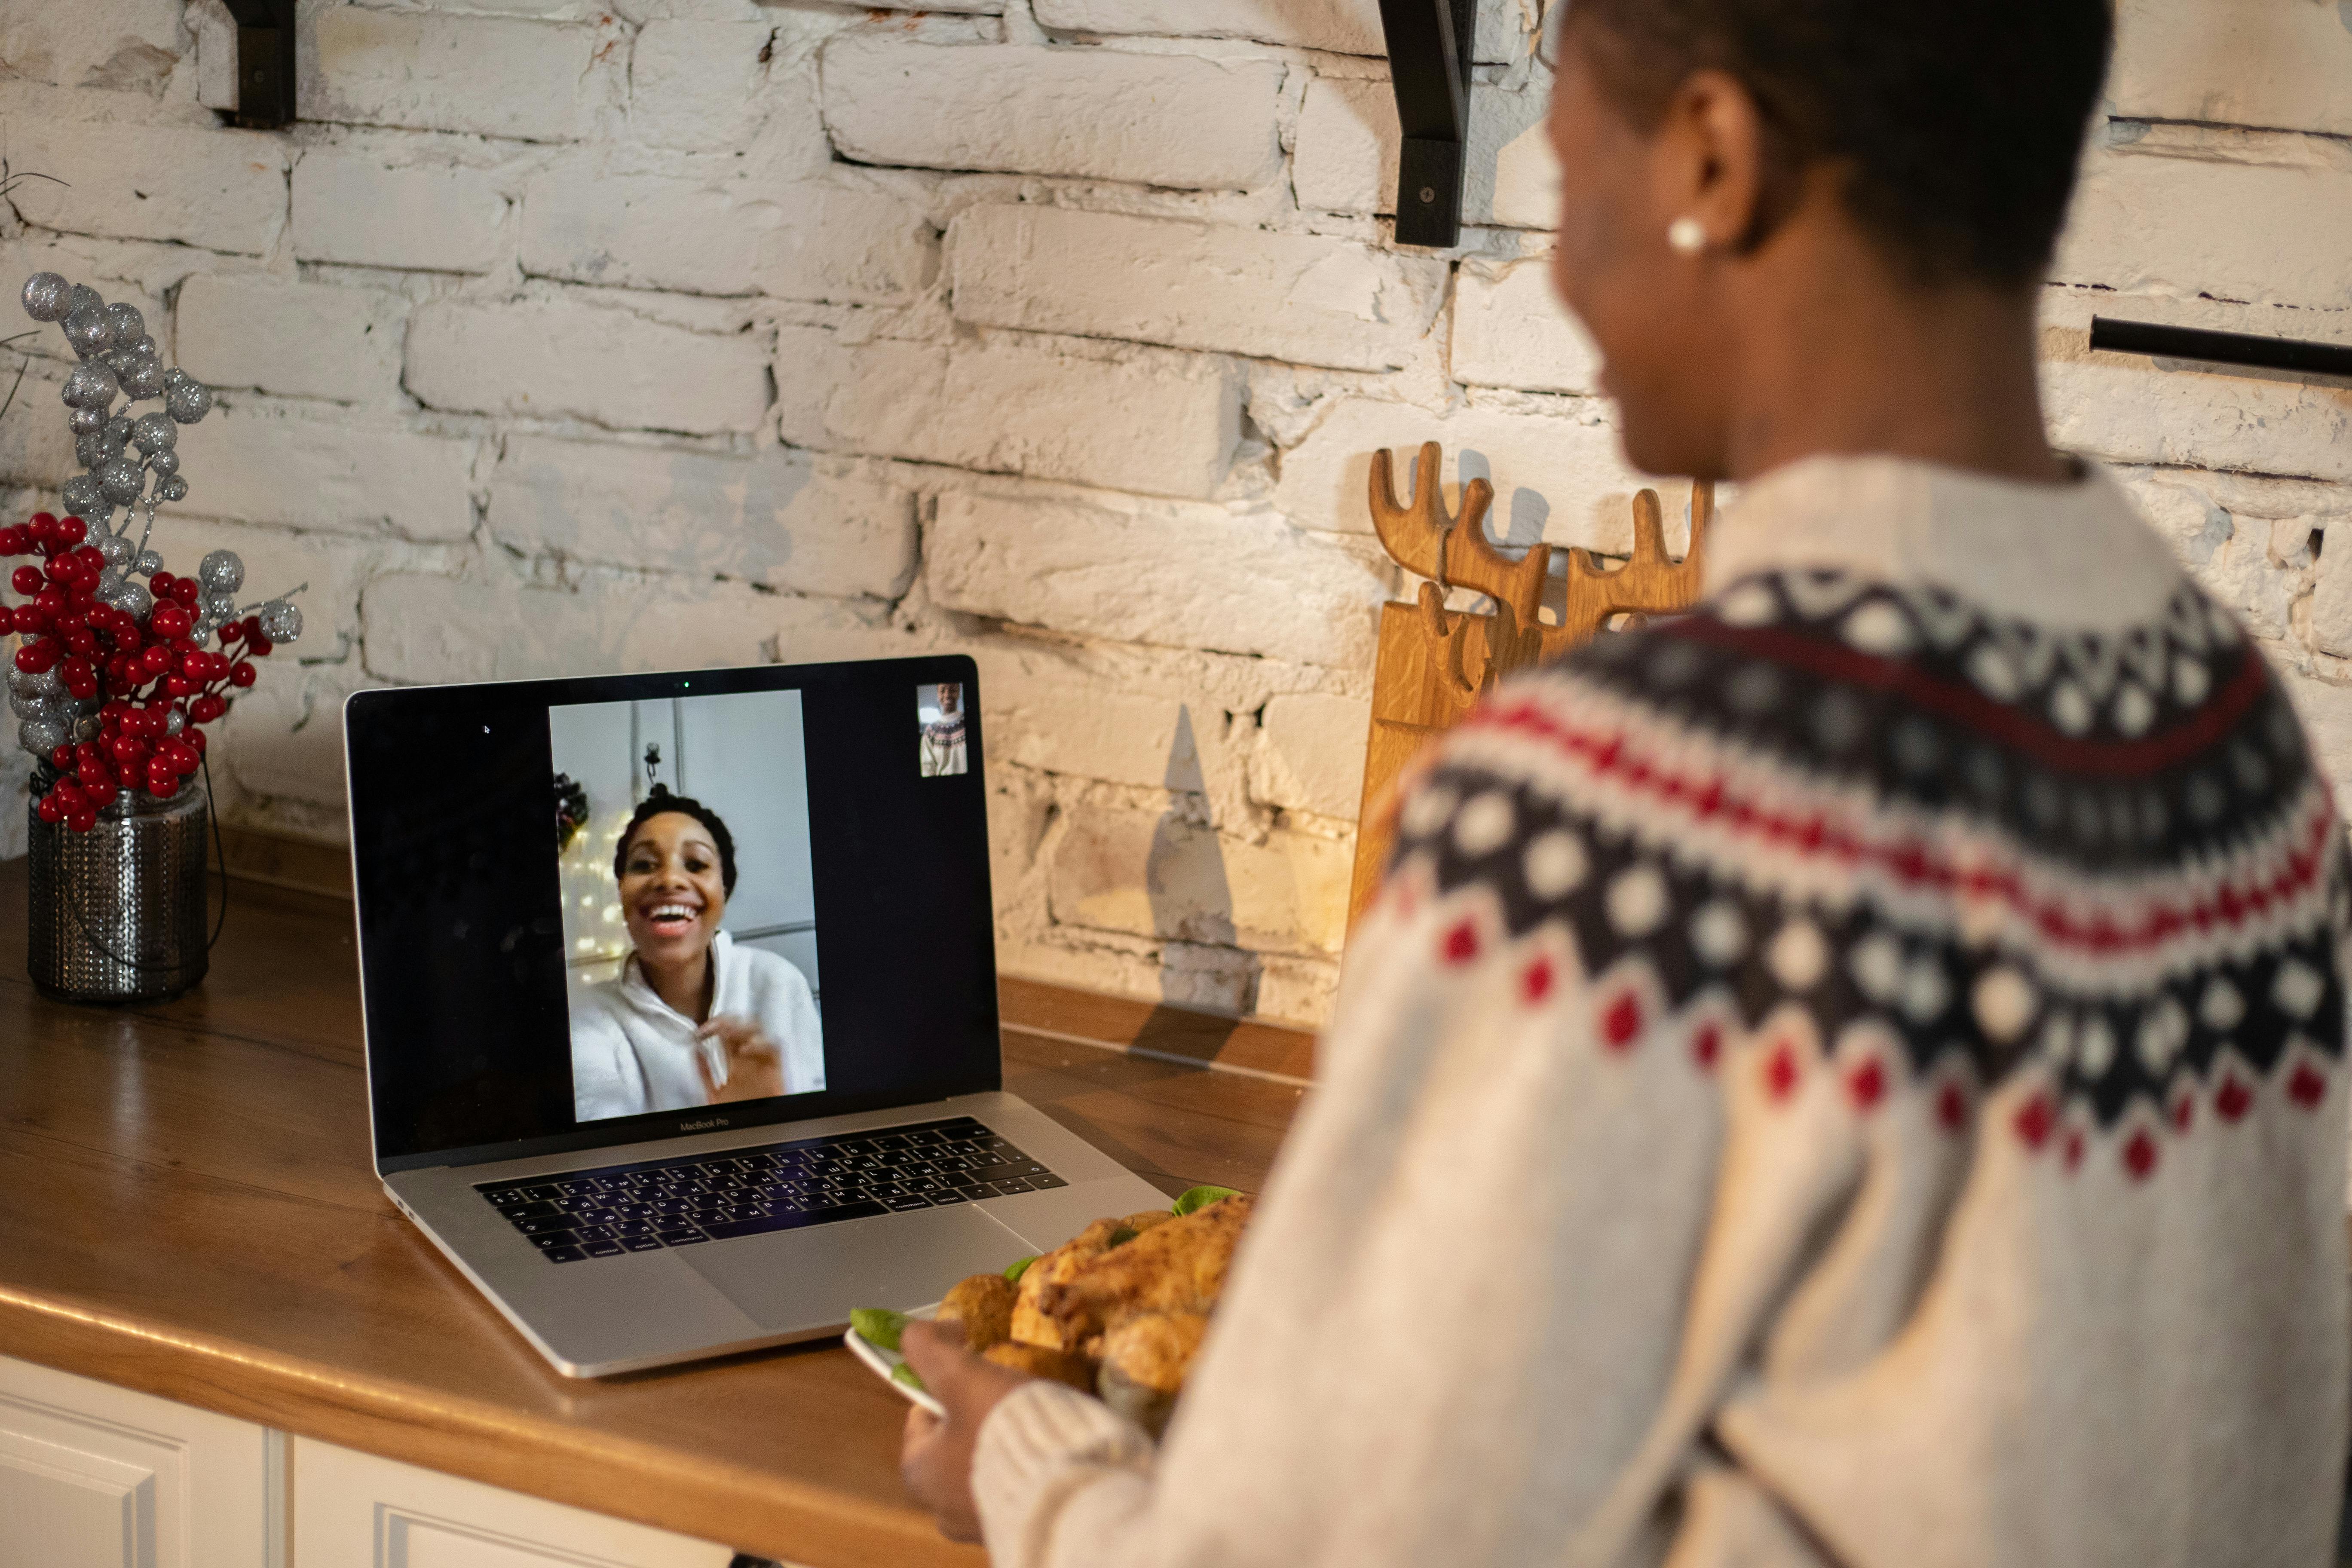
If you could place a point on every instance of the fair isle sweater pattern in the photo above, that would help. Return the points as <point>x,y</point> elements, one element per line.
<point>1944,844</point>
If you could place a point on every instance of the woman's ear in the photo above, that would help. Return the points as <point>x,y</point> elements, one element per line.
<point>1710,164</point>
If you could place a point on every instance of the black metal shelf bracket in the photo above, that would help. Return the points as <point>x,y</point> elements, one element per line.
<point>2299,355</point>
<point>265,62</point>
<point>1430,44</point>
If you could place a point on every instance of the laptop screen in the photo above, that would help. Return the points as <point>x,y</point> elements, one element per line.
<point>592,911</point>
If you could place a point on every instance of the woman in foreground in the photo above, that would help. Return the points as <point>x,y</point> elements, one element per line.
<point>1851,1076</point>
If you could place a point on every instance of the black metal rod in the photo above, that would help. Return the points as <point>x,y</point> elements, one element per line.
<point>1429,44</point>
<point>2221,348</point>
<point>265,62</point>
<point>1427,70</point>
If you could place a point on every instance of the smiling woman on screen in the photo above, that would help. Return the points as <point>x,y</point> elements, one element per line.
<point>692,1018</point>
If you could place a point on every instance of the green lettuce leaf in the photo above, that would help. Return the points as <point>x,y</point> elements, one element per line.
<point>879,1326</point>
<point>1201,1198</point>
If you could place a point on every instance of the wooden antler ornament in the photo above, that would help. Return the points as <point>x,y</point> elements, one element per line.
<point>1435,664</point>
<point>1453,553</point>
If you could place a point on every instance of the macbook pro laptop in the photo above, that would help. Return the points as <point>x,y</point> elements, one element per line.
<point>680,1002</point>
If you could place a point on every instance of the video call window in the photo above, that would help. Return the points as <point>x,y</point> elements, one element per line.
<point>939,713</point>
<point>690,916</point>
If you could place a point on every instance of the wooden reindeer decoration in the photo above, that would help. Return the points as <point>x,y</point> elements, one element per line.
<point>1434,664</point>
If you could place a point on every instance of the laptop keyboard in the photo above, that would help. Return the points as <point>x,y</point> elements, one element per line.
<point>656,1204</point>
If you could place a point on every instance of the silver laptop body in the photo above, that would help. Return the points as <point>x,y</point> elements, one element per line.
<point>649,1308</point>
<point>462,1135</point>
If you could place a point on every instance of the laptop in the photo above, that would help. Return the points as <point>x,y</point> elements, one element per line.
<point>680,1002</point>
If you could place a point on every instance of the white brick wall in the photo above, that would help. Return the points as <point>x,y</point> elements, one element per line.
<point>1299,296</point>
<point>1131,419</point>
<point>1097,114</point>
<point>304,339</point>
<point>602,361</point>
<point>2235,62</point>
<point>2176,212</point>
<point>535,81</point>
<point>222,190</point>
<point>779,519</point>
<point>1180,579</point>
<point>561,337</point>
<point>366,204</point>
<point>1510,330</point>
<point>263,462</point>
<point>796,241</point>
<point>125,44</point>
<point>697,84</point>
<point>425,626</point>
<point>1345,27</point>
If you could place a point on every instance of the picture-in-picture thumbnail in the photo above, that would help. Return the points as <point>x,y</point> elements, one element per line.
<point>938,710</point>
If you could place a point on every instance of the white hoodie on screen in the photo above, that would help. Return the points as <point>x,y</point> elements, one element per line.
<point>633,1052</point>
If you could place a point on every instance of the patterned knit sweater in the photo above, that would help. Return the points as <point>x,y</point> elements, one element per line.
<point>1851,1076</point>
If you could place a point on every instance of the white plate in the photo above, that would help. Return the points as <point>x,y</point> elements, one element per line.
<point>885,1363</point>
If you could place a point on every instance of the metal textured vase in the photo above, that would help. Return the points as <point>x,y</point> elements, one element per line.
<point>117,913</point>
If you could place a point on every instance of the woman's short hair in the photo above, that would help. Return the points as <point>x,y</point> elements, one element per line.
<point>1960,124</point>
<point>661,801</point>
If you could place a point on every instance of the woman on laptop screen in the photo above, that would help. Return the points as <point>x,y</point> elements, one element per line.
<point>691,1018</point>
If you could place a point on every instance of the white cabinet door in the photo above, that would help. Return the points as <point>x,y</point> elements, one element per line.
<point>92,1475</point>
<point>354,1511</point>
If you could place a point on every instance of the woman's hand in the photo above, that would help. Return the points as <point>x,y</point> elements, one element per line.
<point>755,1064</point>
<point>936,1455</point>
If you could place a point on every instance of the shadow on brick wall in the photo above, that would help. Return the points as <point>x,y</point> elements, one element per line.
<point>1191,897</point>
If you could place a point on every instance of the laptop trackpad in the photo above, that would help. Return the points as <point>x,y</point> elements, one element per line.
<point>811,1279</point>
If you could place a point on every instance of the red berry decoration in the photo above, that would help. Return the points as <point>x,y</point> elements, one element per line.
<point>152,670</point>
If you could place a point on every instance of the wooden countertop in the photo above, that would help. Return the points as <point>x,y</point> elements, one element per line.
<point>187,1209</point>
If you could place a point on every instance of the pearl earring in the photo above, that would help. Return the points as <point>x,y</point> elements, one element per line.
<point>1687,235</point>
